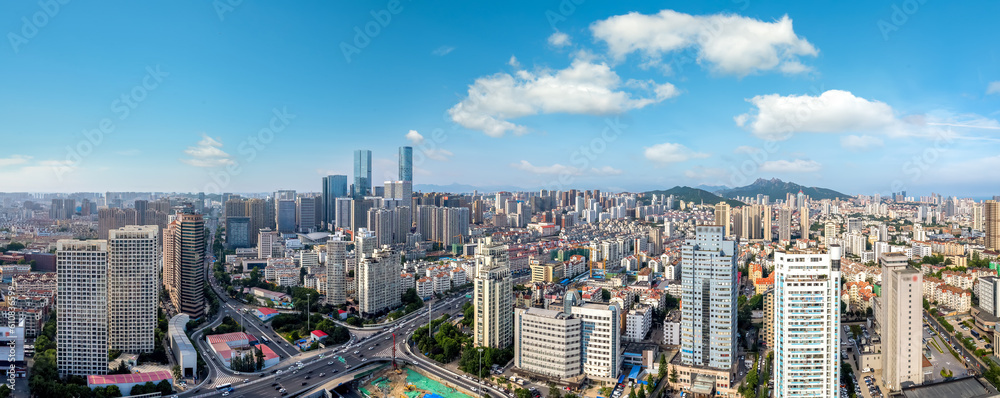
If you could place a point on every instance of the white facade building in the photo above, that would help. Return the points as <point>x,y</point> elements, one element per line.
<point>133,287</point>
<point>82,308</point>
<point>601,340</point>
<point>378,282</point>
<point>708,317</point>
<point>638,321</point>
<point>493,297</point>
<point>547,342</point>
<point>806,323</point>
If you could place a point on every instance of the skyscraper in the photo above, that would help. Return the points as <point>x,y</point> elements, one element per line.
<point>82,308</point>
<point>406,163</point>
<point>336,270</point>
<point>133,288</point>
<point>708,317</point>
<point>900,322</point>
<point>362,173</point>
<point>284,211</point>
<point>257,212</point>
<point>334,186</point>
<point>991,221</point>
<point>722,216</point>
<point>977,216</point>
<point>804,221</point>
<point>807,318</point>
<point>184,263</point>
<point>306,210</point>
<point>494,297</point>
<point>785,224</point>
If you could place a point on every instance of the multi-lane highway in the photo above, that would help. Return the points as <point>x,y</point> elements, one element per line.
<point>314,370</point>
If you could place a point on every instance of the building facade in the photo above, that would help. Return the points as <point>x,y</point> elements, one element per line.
<point>902,304</point>
<point>82,308</point>
<point>133,288</point>
<point>493,298</point>
<point>806,323</point>
<point>547,342</point>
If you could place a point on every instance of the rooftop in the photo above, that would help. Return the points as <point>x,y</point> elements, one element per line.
<point>154,377</point>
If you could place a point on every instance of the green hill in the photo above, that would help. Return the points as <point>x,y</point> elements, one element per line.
<point>777,189</point>
<point>695,195</point>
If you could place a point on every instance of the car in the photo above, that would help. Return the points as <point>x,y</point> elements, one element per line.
<point>225,394</point>
<point>246,380</point>
<point>273,384</point>
<point>322,374</point>
<point>355,352</point>
<point>308,377</point>
<point>364,360</point>
<point>330,363</point>
<point>371,348</point>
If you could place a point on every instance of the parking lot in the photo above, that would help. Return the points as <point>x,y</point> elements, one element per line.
<point>940,359</point>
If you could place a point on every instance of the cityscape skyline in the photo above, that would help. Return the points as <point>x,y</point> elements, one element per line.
<point>653,119</point>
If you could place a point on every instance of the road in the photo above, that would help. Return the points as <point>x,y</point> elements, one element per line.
<point>974,365</point>
<point>316,363</point>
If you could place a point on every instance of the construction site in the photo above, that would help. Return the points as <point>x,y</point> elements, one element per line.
<point>406,383</point>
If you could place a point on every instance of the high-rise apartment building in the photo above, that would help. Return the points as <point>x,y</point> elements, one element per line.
<point>785,224</point>
<point>829,232</point>
<point>378,282</point>
<point>722,216</point>
<point>708,313</point>
<point>493,298</point>
<point>334,186</point>
<point>336,270</point>
<point>362,173</point>
<point>82,308</point>
<point>977,216</point>
<point>806,323</point>
<point>900,322</point>
<point>547,342</point>
<point>184,263</point>
<point>406,163</point>
<point>267,242</point>
<point>804,221</point>
<point>991,224</point>
<point>133,288</point>
<point>237,232</point>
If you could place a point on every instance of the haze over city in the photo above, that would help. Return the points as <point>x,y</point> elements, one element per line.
<point>522,199</point>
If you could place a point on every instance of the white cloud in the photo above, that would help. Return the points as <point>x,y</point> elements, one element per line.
<point>443,50</point>
<point>437,154</point>
<point>671,153</point>
<point>993,88</point>
<point>14,160</point>
<point>583,88</point>
<point>558,169</point>
<point>513,62</point>
<point>861,143</point>
<point>728,44</point>
<point>777,117</point>
<point>207,153</point>
<point>414,137</point>
<point>559,39</point>
<point>794,166</point>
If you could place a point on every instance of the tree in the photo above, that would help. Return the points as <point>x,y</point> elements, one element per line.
<point>554,391</point>
<point>164,388</point>
<point>663,367</point>
<point>522,393</point>
<point>176,370</point>
<point>673,376</point>
<point>650,383</point>
<point>4,391</point>
<point>642,393</point>
<point>606,296</point>
<point>631,393</point>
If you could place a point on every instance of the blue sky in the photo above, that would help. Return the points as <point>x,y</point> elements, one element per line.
<point>862,97</point>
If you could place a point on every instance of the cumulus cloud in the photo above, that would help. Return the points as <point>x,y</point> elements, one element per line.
<point>513,62</point>
<point>671,153</point>
<point>559,39</point>
<point>993,88</point>
<point>14,160</point>
<point>793,166</point>
<point>443,50</point>
<point>584,87</point>
<point>777,117</point>
<point>417,139</point>
<point>207,153</point>
<point>414,137</point>
<point>861,143</point>
<point>559,169</point>
<point>725,43</point>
